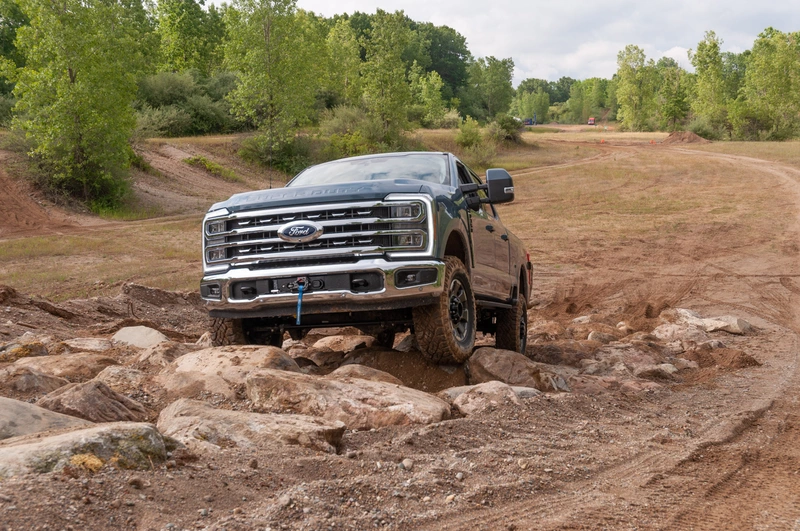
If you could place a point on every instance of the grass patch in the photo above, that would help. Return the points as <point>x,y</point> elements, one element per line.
<point>541,130</point>
<point>213,168</point>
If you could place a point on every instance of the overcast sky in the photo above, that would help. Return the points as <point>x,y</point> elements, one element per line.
<point>580,38</point>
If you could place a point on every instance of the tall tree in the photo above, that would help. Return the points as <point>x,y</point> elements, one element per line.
<point>11,19</point>
<point>274,50</point>
<point>636,82</point>
<point>490,91</point>
<point>344,77</point>
<point>769,106</point>
<point>426,91</point>
<point>449,57</point>
<point>191,37</point>
<point>76,89</point>
<point>386,91</point>
<point>710,99</point>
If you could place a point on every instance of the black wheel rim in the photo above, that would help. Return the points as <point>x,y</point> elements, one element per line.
<point>459,310</point>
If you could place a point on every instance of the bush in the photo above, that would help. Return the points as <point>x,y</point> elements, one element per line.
<point>346,145</point>
<point>290,157</point>
<point>164,121</point>
<point>166,88</point>
<point>481,155</point>
<point>207,116</point>
<point>451,120</point>
<point>510,126</point>
<point>469,133</point>
<point>702,127</point>
<point>494,132</point>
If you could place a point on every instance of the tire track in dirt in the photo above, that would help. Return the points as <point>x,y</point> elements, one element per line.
<point>744,470</point>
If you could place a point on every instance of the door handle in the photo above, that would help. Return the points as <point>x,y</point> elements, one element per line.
<point>490,228</point>
<point>504,237</point>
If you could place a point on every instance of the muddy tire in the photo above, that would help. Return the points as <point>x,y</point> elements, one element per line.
<point>227,332</point>
<point>512,327</point>
<point>445,331</point>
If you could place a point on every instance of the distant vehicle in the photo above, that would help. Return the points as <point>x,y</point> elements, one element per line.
<point>527,121</point>
<point>591,121</point>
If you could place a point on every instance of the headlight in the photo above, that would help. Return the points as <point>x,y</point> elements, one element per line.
<point>404,211</point>
<point>215,227</point>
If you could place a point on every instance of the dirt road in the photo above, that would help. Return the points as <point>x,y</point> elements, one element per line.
<point>623,236</point>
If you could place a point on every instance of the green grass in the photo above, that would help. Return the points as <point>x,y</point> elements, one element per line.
<point>213,168</point>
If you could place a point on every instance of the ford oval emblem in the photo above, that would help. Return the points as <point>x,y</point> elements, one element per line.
<point>300,231</point>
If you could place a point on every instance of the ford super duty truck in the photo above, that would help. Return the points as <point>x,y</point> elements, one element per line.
<point>384,243</point>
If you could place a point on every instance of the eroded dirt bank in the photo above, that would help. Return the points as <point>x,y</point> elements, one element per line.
<point>712,447</point>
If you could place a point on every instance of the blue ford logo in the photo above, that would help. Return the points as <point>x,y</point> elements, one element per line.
<point>300,231</point>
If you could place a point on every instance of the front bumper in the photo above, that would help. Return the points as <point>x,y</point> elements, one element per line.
<point>269,292</point>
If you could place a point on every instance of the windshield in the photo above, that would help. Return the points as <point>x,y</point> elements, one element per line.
<point>427,167</point>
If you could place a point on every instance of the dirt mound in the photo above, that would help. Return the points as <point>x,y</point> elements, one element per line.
<point>684,137</point>
<point>726,358</point>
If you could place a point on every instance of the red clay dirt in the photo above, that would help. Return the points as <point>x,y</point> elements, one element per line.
<point>717,449</point>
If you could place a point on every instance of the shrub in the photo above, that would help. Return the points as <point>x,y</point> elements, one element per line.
<point>494,132</point>
<point>7,102</point>
<point>166,88</point>
<point>481,155</point>
<point>510,126</point>
<point>164,121</point>
<point>451,120</point>
<point>346,145</point>
<point>290,157</point>
<point>469,133</point>
<point>702,127</point>
<point>207,116</point>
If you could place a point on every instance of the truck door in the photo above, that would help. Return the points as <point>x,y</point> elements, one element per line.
<point>486,278</point>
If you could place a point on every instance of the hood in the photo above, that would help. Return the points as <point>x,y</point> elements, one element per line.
<point>327,193</point>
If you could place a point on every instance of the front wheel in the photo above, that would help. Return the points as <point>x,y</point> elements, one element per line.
<point>227,332</point>
<point>512,327</point>
<point>445,330</point>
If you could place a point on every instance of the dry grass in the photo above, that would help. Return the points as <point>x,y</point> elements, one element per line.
<point>783,152</point>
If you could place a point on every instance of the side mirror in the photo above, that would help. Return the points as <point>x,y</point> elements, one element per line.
<point>500,186</point>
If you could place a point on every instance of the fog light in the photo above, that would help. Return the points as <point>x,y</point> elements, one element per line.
<point>211,291</point>
<point>408,240</point>
<point>414,277</point>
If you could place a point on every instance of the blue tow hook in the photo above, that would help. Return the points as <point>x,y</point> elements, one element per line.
<point>300,285</point>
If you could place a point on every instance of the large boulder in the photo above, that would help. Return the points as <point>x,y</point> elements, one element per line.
<point>26,381</point>
<point>87,344</point>
<point>219,370</point>
<point>452,393</point>
<point>202,427</point>
<point>21,418</point>
<point>139,336</point>
<point>360,404</point>
<point>94,401</point>
<point>488,364</point>
<point>562,352</point>
<point>127,444</point>
<point>484,397</point>
<point>343,343</point>
<point>80,366</point>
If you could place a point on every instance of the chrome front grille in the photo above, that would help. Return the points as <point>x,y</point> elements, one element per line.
<point>359,229</point>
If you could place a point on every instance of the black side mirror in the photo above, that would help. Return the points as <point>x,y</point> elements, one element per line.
<point>500,186</point>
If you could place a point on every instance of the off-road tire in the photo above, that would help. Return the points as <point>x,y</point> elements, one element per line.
<point>445,330</point>
<point>512,327</point>
<point>227,332</point>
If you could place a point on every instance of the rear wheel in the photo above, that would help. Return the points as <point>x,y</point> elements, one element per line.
<point>512,327</point>
<point>445,331</point>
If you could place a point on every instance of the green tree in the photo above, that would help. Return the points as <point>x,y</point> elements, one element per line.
<point>191,37</point>
<point>76,89</point>
<point>673,100</point>
<point>449,57</point>
<point>386,91</point>
<point>769,106</point>
<point>343,72</point>
<point>426,91</point>
<point>489,92</point>
<point>710,101</point>
<point>635,91</point>
<point>274,49</point>
<point>11,19</point>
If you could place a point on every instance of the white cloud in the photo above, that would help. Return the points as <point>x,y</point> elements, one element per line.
<point>581,38</point>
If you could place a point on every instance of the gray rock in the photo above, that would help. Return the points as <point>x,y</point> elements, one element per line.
<point>93,401</point>
<point>202,427</point>
<point>360,404</point>
<point>601,337</point>
<point>29,381</point>
<point>130,445</point>
<point>139,336</point>
<point>21,418</point>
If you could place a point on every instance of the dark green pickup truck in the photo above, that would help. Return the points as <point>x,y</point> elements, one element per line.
<point>384,243</point>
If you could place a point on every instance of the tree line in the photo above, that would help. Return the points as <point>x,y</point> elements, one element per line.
<point>752,95</point>
<point>81,78</point>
